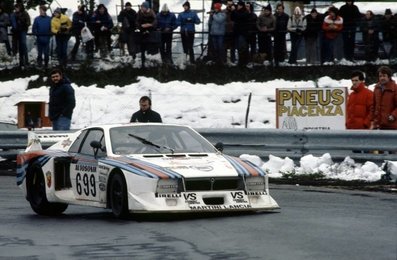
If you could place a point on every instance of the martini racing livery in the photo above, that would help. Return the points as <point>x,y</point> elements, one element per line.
<point>139,168</point>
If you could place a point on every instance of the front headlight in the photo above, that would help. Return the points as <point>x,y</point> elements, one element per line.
<point>255,183</point>
<point>167,186</point>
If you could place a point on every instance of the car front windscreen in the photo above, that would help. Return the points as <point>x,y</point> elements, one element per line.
<point>157,139</point>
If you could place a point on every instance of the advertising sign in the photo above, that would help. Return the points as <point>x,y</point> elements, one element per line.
<point>311,108</point>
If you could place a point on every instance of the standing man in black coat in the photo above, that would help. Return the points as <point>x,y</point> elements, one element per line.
<point>127,18</point>
<point>62,101</point>
<point>145,114</point>
<point>351,17</point>
<point>280,32</point>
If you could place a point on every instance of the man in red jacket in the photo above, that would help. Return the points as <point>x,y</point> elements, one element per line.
<point>359,103</point>
<point>384,112</point>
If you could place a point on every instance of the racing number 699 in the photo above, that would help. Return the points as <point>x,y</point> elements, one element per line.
<point>85,183</point>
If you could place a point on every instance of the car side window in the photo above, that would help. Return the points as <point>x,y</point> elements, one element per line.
<point>75,147</point>
<point>93,135</point>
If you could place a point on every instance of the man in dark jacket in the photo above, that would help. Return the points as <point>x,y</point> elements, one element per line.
<point>20,22</point>
<point>145,114</point>
<point>127,18</point>
<point>79,21</point>
<point>62,101</point>
<point>280,32</point>
<point>351,18</point>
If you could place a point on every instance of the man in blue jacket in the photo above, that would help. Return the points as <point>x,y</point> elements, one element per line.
<point>166,23</point>
<point>42,30</point>
<point>187,21</point>
<point>62,101</point>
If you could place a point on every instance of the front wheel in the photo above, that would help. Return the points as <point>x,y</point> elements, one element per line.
<point>118,196</point>
<point>37,195</point>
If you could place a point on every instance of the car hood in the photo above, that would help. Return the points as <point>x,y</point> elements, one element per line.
<point>189,166</point>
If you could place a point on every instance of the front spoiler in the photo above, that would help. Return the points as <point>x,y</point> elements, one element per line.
<point>221,201</point>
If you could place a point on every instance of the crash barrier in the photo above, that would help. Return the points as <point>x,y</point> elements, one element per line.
<point>361,145</point>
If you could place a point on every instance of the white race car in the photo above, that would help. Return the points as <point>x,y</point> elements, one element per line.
<point>140,168</point>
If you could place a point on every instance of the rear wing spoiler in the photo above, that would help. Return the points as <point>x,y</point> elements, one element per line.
<point>39,140</point>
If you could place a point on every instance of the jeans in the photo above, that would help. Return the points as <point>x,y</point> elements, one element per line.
<point>219,48</point>
<point>61,123</point>
<point>23,49</point>
<point>187,44</point>
<point>62,47</point>
<point>43,48</point>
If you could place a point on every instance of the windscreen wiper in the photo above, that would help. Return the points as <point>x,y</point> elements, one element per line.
<point>145,141</point>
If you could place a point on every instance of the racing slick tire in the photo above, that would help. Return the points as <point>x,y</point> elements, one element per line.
<point>36,194</point>
<point>118,196</point>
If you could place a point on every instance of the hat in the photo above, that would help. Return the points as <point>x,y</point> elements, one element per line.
<point>333,9</point>
<point>58,10</point>
<point>268,7</point>
<point>186,4</point>
<point>388,11</point>
<point>145,5</point>
<point>217,6</point>
<point>128,4</point>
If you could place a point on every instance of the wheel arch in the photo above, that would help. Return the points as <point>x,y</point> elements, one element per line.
<point>109,181</point>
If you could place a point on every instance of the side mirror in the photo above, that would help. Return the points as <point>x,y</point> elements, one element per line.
<point>219,146</point>
<point>96,144</point>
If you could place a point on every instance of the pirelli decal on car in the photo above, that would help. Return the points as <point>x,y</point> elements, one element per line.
<point>245,168</point>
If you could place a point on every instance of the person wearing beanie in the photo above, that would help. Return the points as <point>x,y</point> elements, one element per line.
<point>388,25</point>
<point>187,21</point>
<point>20,22</point>
<point>42,30</point>
<point>241,28</point>
<point>127,19</point>
<point>217,28</point>
<point>266,24</point>
<point>103,25</point>
<point>61,26</point>
<point>146,23</point>
<point>166,24</point>
<point>296,27</point>
<point>79,20</point>
<point>314,22</point>
<point>370,29</point>
<point>187,4</point>
<point>351,19</point>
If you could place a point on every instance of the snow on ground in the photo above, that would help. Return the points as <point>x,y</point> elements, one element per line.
<point>199,106</point>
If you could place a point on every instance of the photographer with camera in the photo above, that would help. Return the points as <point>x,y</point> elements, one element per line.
<point>61,26</point>
<point>296,27</point>
<point>187,21</point>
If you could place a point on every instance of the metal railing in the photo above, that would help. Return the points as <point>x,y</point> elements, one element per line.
<point>361,145</point>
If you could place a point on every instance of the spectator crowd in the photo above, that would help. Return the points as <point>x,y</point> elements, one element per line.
<point>236,34</point>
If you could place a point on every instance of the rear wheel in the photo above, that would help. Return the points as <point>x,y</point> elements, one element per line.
<point>37,195</point>
<point>118,196</point>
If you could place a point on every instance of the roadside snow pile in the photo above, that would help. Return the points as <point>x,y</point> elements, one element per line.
<point>323,167</point>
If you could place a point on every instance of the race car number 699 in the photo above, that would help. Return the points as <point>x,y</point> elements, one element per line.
<point>85,184</point>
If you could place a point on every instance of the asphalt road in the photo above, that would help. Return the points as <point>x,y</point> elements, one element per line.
<point>313,223</point>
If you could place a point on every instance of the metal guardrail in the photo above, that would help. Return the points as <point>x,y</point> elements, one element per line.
<point>360,145</point>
